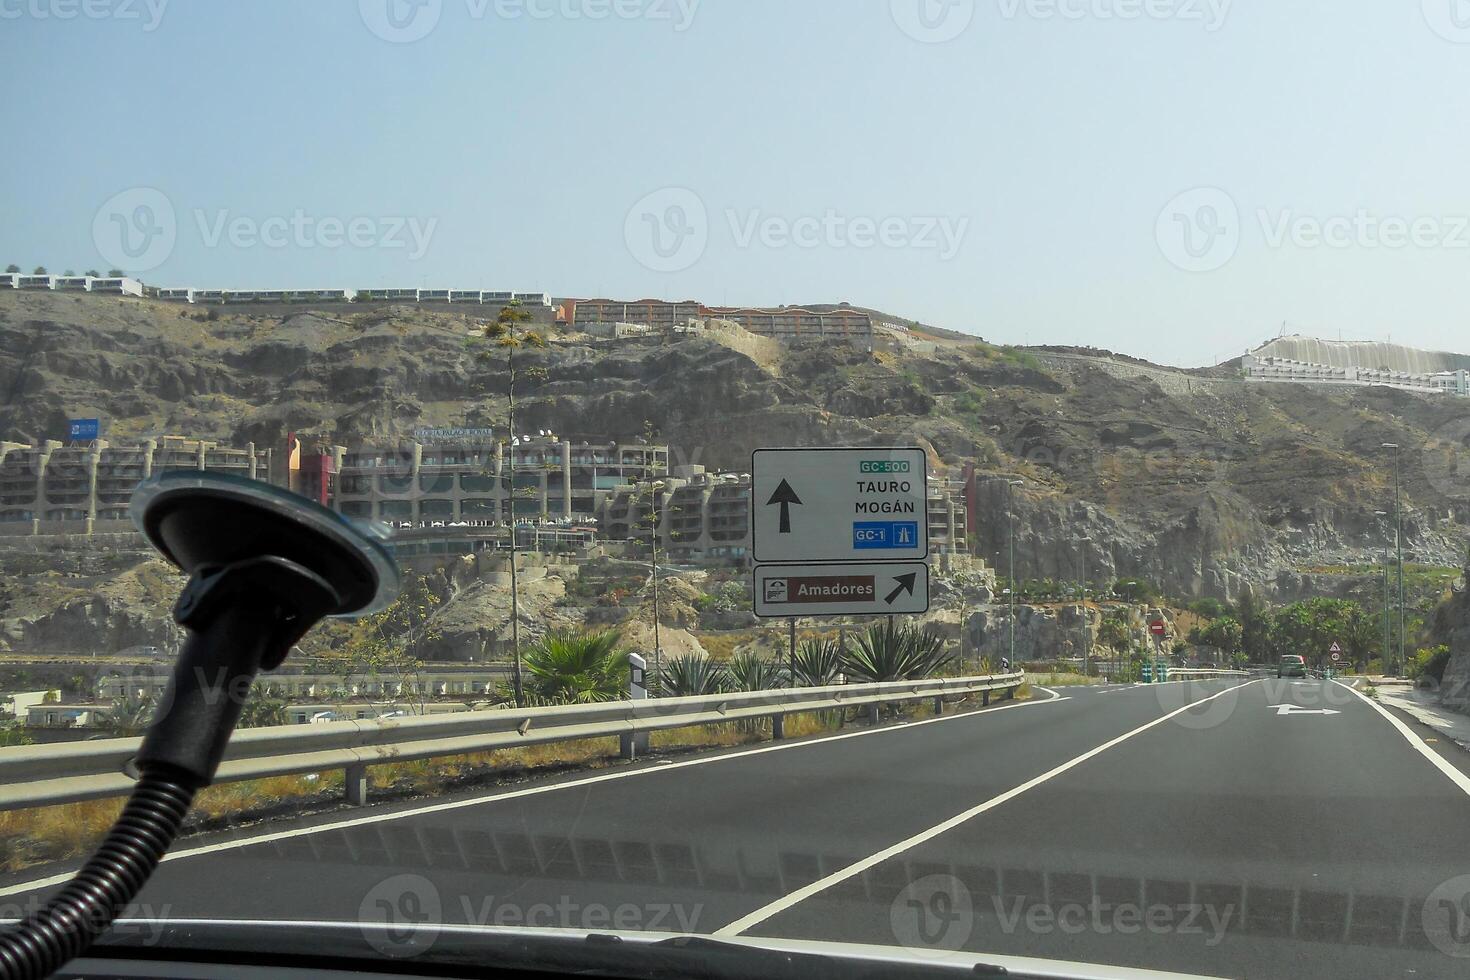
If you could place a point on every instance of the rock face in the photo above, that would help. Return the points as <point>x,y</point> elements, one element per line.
<point>66,603</point>
<point>1197,482</point>
<point>1455,687</point>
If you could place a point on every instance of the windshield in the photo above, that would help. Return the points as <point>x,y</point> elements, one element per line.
<point>966,479</point>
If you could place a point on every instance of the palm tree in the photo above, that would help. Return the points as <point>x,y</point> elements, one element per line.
<point>130,715</point>
<point>893,653</point>
<point>509,334</point>
<point>817,663</point>
<point>577,668</point>
<point>689,675</point>
<point>264,710</point>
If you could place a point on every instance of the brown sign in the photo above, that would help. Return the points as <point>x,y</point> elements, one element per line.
<point>826,588</point>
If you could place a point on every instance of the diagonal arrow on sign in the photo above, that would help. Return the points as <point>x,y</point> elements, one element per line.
<point>905,584</point>
<point>1291,709</point>
<point>785,496</point>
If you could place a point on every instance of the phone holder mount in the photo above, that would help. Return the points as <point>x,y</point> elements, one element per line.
<point>264,567</point>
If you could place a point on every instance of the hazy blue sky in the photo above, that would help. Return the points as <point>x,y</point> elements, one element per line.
<point>1011,168</point>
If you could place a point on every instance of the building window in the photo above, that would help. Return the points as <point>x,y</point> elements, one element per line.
<point>357,508</point>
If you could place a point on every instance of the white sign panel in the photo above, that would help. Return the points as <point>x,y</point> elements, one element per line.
<point>851,505</point>
<point>891,589</point>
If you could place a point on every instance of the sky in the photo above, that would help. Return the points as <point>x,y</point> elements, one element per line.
<point>1174,179</point>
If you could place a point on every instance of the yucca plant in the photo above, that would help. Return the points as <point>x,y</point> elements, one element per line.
<point>691,674</point>
<point>577,668</point>
<point>749,672</point>
<point>817,663</point>
<point>894,653</point>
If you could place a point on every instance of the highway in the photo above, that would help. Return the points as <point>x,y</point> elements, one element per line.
<point>1233,827</point>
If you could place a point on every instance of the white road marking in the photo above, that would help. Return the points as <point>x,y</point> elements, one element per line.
<point>1455,776</point>
<point>538,790</point>
<point>785,902</point>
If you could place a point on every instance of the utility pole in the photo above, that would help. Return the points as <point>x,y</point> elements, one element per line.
<point>792,648</point>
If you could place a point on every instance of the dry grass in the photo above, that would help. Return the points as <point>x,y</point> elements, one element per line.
<point>53,832</point>
<point>58,833</point>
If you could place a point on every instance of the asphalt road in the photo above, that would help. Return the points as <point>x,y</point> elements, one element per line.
<point>1265,829</point>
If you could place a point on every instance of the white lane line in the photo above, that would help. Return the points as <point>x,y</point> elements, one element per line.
<point>538,790</point>
<point>785,902</point>
<point>1455,776</point>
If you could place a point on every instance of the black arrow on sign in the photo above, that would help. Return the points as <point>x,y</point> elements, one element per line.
<point>905,584</point>
<point>785,496</point>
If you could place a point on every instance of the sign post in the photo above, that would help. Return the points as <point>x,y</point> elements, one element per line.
<point>630,743</point>
<point>83,430</point>
<point>839,532</point>
<point>1159,629</point>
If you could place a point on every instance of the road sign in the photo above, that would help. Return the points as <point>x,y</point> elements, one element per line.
<point>1158,627</point>
<point>839,505</point>
<point>83,430</point>
<point>1336,656</point>
<point>878,589</point>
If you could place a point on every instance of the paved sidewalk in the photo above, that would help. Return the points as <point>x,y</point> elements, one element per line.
<point>1424,707</point>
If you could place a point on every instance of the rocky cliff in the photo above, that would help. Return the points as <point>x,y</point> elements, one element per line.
<point>1197,481</point>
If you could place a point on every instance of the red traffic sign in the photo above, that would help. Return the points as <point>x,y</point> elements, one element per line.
<point>1158,628</point>
<point>1336,656</point>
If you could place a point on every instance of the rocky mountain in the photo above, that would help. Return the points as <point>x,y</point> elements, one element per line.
<point>1194,480</point>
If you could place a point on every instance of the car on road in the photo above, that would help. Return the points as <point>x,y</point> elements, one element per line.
<point>1292,666</point>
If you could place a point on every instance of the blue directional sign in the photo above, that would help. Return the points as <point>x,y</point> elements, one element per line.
<point>83,430</point>
<point>885,535</point>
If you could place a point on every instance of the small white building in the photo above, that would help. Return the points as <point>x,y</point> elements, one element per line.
<point>387,295</point>
<point>116,286</point>
<point>18,705</point>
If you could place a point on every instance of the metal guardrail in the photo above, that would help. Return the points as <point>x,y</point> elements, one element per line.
<point>44,775</point>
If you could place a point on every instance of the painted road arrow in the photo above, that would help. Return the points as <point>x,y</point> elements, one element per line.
<point>1291,709</point>
<point>785,496</point>
<point>905,584</point>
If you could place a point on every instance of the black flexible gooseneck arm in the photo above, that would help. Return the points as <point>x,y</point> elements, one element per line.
<point>264,568</point>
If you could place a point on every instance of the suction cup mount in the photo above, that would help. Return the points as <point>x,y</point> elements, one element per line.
<point>264,567</point>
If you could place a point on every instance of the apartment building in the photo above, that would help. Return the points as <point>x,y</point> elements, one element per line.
<point>114,285</point>
<point>665,316</point>
<point>479,479</point>
<point>791,323</point>
<point>656,314</point>
<point>704,518</point>
<point>55,488</point>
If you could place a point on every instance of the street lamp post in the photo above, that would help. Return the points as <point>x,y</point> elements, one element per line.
<point>1387,602</point>
<point>1011,529</point>
<point>1398,534</point>
<point>1084,541</point>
